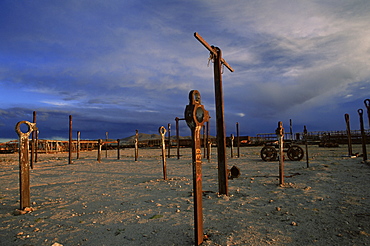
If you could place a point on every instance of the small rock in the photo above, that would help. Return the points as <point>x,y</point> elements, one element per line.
<point>294,223</point>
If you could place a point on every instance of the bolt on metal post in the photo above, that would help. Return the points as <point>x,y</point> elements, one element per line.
<point>162,131</point>
<point>24,164</point>
<point>280,136</point>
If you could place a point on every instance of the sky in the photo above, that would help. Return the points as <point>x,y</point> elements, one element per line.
<point>117,66</point>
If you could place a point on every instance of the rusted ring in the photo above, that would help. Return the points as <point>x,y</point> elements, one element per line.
<point>31,127</point>
<point>162,130</point>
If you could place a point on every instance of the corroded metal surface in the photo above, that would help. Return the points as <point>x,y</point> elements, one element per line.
<point>349,137</point>
<point>280,135</point>
<point>363,135</point>
<point>24,164</point>
<point>162,131</point>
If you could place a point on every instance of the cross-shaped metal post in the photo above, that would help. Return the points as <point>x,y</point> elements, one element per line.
<point>220,122</point>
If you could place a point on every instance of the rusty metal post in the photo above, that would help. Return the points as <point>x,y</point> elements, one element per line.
<point>208,142</point>
<point>195,116</point>
<point>169,140</point>
<point>78,147</point>
<point>136,144</point>
<point>33,141</point>
<point>162,131</point>
<point>106,144</point>
<point>70,141</point>
<point>24,165</point>
<point>218,61</point>
<point>291,129</point>
<point>99,150</point>
<point>204,142</point>
<point>280,136</point>
<point>306,143</point>
<point>177,137</point>
<point>349,137</point>
<point>36,145</point>
<point>209,150</point>
<point>367,105</point>
<point>238,139</point>
<point>118,148</point>
<point>232,145</point>
<point>363,135</point>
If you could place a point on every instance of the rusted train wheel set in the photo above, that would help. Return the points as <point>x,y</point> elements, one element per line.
<point>294,153</point>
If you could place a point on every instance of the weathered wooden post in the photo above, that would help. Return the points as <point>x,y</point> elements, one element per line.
<point>306,143</point>
<point>24,165</point>
<point>363,135</point>
<point>136,144</point>
<point>195,116</point>
<point>280,135</point>
<point>118,148</point>
<point>218,61</point>
<point>99,150</point>
<point>162,131</point>
<point>70,141</point>
<point>349,137</point>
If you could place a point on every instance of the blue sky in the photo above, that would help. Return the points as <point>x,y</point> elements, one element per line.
<point>117,66</point>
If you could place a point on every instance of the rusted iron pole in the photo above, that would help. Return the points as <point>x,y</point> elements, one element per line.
<point>195,116</point>
<point>36,145</point>
<point>24,164</point>
<point>162,131</point>
<point>99,150</point>
<point>70,141</point>
<point>306,143</point>
<point>169,140</point>
<point>363,135</point>
<point>118,148</point>
<point>136,144</point>
<point>106,144</point>
<point>204,142</point>
<point>367,105</point>
<point>238,139</point>
<point>33,141</point>
<point>78,147</point>
<point>280,136</point>
<point>178,136</point>
<point>220,122</point>
<point>291,129</point>
<point>349,137</point>
<point>232,145</point>
<point>209,145</point>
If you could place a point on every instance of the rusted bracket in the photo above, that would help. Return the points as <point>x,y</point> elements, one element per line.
<point>212,50</point>
<point>280,135</point>
<point>24,164</point>
<point>363,135</point>
<point>196,116</point>
<point>162,131</point>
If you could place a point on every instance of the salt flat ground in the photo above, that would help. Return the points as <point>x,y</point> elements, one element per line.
<point>123,202</point>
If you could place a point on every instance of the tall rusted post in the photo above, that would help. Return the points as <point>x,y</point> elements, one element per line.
<point>204,142</point>
<point>363,135</point>
<point>209,145</point>
<point>216,55</point>
<point>280,136</point>
<point>78,147</point>
<point>238,139</point>
<point>232,145</point>
<point>306,143</point>
<point>177,137</point>
<point>162,131</point>
<point>169,140</point>
<point>99,150</point>
<point>118,148</point>
<point>106,144</point>
<point>36,145</point>
<point>367,105</point>
<point>291,129</point>
<point>70,141</point>
<point>349,137</point>
<point>24,165</point>
<point>33,142</point>
<point>136,144</point>
<point>195,116</point>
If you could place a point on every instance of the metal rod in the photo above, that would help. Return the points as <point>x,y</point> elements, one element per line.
<point>24,164</point>
<point>106,144</point>
<point>209,145</point>
<point>78,144</point>
<point>70,141</point>
<point>232,145</point>
<point>363,135</point>
<point>136,145</point>
<point>306,143</point>
<point>238,139</point>
<point>204,142</point>
<point>33,142</point>
<point>169,140</point>
<point>118,148</point>
<point>99,150</point>
<point>349,137</point>
<point>162,131</point>
<point>280,136</point>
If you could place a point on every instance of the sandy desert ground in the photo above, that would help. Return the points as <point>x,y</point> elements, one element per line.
<point>123,202</point>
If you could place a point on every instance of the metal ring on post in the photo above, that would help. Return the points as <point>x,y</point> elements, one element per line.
<point>31,127</point>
